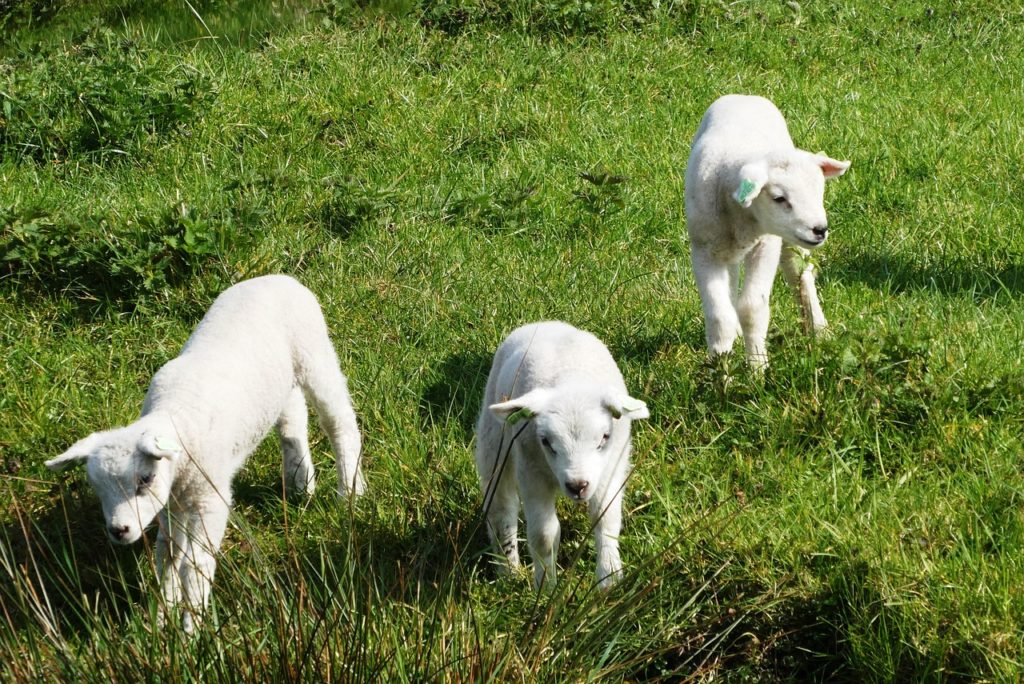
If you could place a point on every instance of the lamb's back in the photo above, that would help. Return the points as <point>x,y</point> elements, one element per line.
<point>742,125</point>
<point>236,370</point>
<point>550,353</point>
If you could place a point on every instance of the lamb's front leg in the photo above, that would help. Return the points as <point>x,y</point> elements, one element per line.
<point>498,490</point>
<point>606,519</point>
<point>715,284</point>
<point>799,274</point>
<point>543,535</point>
<point>543,532</point>
<point>501,506</point>
<point>206,531</point>
<point>761,264</point>
<point>171,542</point>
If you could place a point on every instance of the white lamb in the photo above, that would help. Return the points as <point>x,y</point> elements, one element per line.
<point>261,348</point>
<point>748,190</point>
<point>555,401</point>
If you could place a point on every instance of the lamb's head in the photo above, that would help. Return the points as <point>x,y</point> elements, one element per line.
<point>785,192</point>
<point>131,469</point>
<point>582,430</point>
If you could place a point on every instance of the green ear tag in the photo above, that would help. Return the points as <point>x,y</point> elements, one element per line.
<point>519,415</point>
<point>746,187</point>
<point>631,404</point>
<point>166,444</point>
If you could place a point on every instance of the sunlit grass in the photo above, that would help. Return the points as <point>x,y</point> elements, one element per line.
<point>855,514</point>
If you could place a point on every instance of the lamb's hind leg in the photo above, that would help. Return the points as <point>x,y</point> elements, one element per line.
<point>327,390</point>
<point>799,274</point>
<point>293,429</point>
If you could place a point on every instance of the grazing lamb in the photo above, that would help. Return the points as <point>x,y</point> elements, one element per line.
<point>261,348</point>
<point>748,191</point>
<point>575,439</point>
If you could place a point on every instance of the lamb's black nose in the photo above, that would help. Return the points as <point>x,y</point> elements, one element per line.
<point>117,532</point>
<point>820,231</point>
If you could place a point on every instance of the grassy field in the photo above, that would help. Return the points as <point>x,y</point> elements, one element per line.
<point>854,515</point>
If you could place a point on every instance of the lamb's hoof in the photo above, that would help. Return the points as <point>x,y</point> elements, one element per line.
<point>505,566</point>
<point>301,490</point>
<point>544,581</point>
<point>609,573</point>
<point>822,332</point>
<point>758,363</point>
<point>357,489</point>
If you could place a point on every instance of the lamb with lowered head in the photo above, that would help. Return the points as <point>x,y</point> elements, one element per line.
<point>259,352</point>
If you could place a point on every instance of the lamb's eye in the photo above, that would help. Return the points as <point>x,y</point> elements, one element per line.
<point>145,480</point>
<point>781,199</point>
<point>546,442</point>
<point>604,440</point>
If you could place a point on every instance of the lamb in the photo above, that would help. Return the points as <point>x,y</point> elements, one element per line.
<point>748,191</point>
<point>257,354</point>
<point>575,439</point>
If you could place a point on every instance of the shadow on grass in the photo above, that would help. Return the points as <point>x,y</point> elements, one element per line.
<point>421,561</point>
<point>646,349</point>
<point>59,572</point>
<point>454,396</point>
<point>897,274</point>
<point>57,565</point>
<point>237,21</point>
<point>308,595</point>
<point>69,308</point>
<point>761,633</point>
<point>405,560</point>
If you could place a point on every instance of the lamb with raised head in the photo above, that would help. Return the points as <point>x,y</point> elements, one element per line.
<point>557,413</point>
<point>259,352</point>
<point>749,190</point>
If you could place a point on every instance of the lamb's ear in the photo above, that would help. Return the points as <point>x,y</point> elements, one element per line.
<point>623,405</point>
<point>753,176</point>
<point>160,446</point>
<point>78,453</point>
<point>832,168</point>
<point>526,406</point>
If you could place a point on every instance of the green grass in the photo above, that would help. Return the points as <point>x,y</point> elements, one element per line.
<point>854,515</point>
